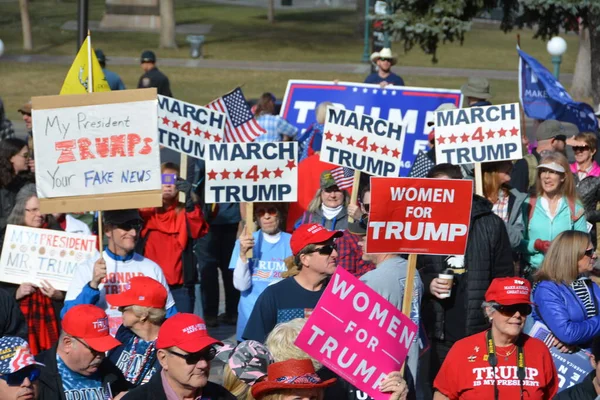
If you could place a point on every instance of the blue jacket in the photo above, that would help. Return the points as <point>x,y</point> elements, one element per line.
<point>540,226</point>
<point>559,308</point>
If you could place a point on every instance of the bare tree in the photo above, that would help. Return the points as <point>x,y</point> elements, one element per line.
<point>167,24</point>
<point>271,11</point>
<point>26,25</point>
<point>582,78</point>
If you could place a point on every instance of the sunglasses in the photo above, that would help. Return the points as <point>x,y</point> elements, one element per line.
<point>562,138</point>
<point>193,358</point>
<point>95,352</point>
<point>262,211</point>
<point>325,250</point>
<point>17,378</point>
<point>509,311</point>
<point>129,225</point>
<point>577,149</point>
<point>590,252</point>
<point>385,59</point>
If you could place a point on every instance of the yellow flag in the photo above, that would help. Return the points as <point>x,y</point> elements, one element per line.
<point>76,81</point>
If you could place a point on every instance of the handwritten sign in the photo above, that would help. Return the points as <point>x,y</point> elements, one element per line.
<point>97,144</point>
<point>32,255</point>
<point>357,334</point>
<point>478,134</point>
<point>419,216</point>
<point>186,128</point>
<point>363,143</point>
<point>252,172</point>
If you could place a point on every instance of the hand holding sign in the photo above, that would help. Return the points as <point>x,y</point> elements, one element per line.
<point>49,291</point>
<point>246,244</point>
<point>395,384</point>
<point>99,273</point>
<point>24,290</point>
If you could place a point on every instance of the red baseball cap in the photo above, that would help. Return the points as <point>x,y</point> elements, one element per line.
<point>311,234</point>
<point>509,291</point>
<point>141,291</point>
<point>186,331</point>
<point>89,322</point>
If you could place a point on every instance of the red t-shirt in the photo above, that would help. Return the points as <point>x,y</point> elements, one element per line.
<point>467,375</point>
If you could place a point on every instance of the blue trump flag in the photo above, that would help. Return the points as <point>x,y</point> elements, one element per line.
<point>543,97</point>
<point>407,106</point>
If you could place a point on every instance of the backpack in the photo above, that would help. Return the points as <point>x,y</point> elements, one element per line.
<point>532,164</point>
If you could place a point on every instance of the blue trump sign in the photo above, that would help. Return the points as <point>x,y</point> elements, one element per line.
<point>407,106</point>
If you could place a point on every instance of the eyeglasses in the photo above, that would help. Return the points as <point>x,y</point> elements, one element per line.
<point>25,156</point>
<point>385,59</point>
<point>324,250</point>
<point>590,252</point>
<point>17,378</point>
<point>193,358</point>
<point>332,189</point>
<point>33,210</point>
<point>129,225</point>
<point>262,211</point>
<point>367,207</point>
<point>95,352</point>
<point>509,311</point>
<point>577,149</point>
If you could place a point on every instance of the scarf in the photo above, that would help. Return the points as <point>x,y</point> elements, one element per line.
<point>330,213</point>
<point>41,321</point>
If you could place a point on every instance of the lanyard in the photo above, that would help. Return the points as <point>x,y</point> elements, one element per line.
<point>493,360</point>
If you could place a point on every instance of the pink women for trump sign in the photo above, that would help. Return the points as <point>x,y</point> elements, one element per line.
<point>357,334</point>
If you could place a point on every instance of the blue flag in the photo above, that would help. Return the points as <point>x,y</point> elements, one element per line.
<point>543,97</point>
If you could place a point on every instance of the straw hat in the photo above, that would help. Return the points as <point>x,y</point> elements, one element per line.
<point>384,53</point>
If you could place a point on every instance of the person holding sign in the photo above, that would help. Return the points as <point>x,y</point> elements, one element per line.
<point>589,389</point>
<point>328,207</point>
<point>315,256</point>
<point>168,236</point>
<point>270,248</point>
<point>554,208</point>
<point>501,362</point>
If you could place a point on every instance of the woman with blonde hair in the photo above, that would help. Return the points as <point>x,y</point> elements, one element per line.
<point>567,301</point>
<point>554,208</point>
<point>329,206</point>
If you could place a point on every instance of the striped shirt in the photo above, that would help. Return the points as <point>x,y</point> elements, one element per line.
<point>583,293</point>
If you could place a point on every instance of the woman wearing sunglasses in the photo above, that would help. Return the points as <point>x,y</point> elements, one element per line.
<point>567,301</point>
<point>501,362</point>
<point>19,372</point>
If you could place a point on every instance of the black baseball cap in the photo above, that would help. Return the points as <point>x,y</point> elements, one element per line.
<point>100,56</point>
<point>116,217</point>
<point>148,56</point>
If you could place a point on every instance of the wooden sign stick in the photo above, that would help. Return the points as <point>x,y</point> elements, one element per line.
<point>354,196</point>
<point>250,226</point>
<point>100,232</point>
<point>183,161</point>
<point>478,180</point>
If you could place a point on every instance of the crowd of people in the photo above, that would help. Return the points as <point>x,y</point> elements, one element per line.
<point>126,327</point>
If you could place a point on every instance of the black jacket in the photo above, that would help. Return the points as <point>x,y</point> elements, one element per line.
<point>155,78</point>
<point>588,190</point>
<point>154,390</point>
<point>582,391</point>
<point>8,196</point>
<point>488,256</point>
<point>12,321</point>
<point>51,386</point>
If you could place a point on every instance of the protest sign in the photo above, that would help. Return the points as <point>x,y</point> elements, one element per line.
<point>252,172</point>
<point>357,334</point>
<point>572,368</point>
<point>97,151</point>
<point>363,143</point>
<point>32,255</point>
<point>186,127</point>
<point>478,134</point>
<point>419,216</point>
<point>408,106</point>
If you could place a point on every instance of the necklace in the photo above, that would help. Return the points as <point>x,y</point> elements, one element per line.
<point>508,354</point>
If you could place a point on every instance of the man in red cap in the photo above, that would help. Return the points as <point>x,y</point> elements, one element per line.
<point>143,308</point>
<point>184,351</point>
<point>315,257</point>
<point>76,367</point>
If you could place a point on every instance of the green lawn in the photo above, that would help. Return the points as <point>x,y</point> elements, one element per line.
<point>20,81</point>
<point>243,33</point>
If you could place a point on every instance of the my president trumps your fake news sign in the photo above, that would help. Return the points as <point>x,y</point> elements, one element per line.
<point>362,143</point>
<point>97,151</point>
<point>419,216</point>
<point>478,134</point>
<point>357,334</point>
<point>252,172</point>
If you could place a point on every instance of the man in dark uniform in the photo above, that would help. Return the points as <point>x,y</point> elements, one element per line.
<point>152,76</point>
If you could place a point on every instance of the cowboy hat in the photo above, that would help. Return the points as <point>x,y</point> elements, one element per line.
<point>290,374</point>
<point>384,53</point>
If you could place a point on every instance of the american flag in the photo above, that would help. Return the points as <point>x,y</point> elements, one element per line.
<point>240,125</point>
<point>344,177</point>
<point>16,355</point>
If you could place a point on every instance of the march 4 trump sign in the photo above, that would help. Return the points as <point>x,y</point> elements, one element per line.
<point>252,172</point>
<point>357,334</point>
<point>362,143</point>
<point>187,128</point>
<point>478,134</point>
<point>419,216</point>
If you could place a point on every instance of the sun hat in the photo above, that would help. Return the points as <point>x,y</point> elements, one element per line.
<point>476,87</point>
<point>290,374</point>
<point>553,166</point>
<point>140,291</point>
<point>186,331</point>
<point>311,234</point>
<point>15,355</point>
<point>509,291</point>
<point>248,360</point>
<point>88,322</point>
<point>384,53</point>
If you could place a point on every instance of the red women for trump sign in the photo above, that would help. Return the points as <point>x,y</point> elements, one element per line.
<point>419,216</point>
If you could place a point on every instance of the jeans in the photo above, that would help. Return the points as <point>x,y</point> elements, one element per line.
<point>184,298</point>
